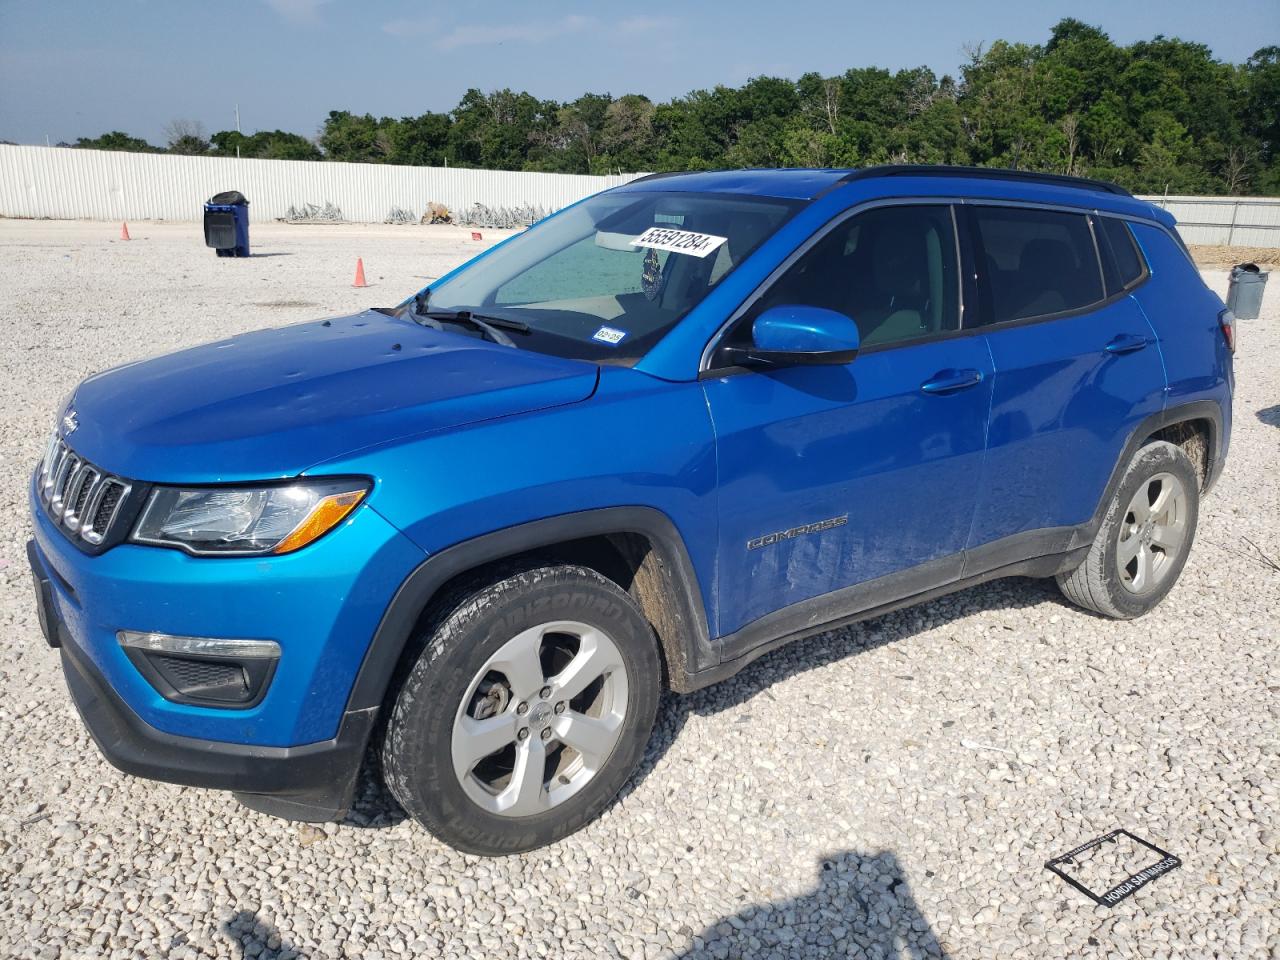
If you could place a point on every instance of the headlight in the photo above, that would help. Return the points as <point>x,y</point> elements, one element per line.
<point>247,520</point>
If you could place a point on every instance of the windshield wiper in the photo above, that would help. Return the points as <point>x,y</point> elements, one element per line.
<point>487,325</point>
<point>479,322</point>
<point>466,316</point>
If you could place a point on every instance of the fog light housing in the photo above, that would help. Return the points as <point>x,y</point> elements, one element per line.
<point>203,671</point>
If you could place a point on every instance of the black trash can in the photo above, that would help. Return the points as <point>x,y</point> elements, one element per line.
<point>226,224</point>
<point>1244,293</point>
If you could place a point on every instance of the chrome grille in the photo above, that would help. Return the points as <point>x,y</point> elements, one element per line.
<point>83,500</point>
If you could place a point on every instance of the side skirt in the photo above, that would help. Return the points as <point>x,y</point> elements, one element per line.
<point>841,609</point>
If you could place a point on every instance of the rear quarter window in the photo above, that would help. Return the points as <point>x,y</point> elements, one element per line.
<point>1035,263</point>
<point>1122,263</point>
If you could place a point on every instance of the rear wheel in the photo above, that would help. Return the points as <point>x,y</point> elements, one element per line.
<point>1144,539</point>
<point>528,709</point>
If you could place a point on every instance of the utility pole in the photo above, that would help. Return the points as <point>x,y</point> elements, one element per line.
<point>237,130</point>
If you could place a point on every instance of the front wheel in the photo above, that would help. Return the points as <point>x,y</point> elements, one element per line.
<point>529,707</point>
<point>1145,537</point>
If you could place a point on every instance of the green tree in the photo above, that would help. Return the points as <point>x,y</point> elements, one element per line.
<point>626,138</point>
<point>502,130</point>
<point>1163,162</point>
<point>186,137</point>
<point>1000,98</point>
<point>934,135</point>
<point>264,145</point>
<point>356,139</point>
<point>575,143</point>
<point>1261,88</point>
<point>115,140</point>
<point>421,141</point>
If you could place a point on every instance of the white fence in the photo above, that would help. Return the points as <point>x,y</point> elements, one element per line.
<point>64,183</point>
<point>1239,221</point>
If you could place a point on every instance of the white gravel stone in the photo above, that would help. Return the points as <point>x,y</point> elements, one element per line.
<point>822,803</point>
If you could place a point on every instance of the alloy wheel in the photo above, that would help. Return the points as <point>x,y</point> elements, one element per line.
<point>1153,533</point>
<point>540,718</point>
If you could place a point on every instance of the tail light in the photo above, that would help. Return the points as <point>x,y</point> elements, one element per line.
<point>1227,321</point>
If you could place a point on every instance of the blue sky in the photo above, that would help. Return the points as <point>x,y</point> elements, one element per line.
<point>72,68</point>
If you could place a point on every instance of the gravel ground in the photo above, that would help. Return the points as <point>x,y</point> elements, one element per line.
<point>894,787</point>
<point>1224,257</point>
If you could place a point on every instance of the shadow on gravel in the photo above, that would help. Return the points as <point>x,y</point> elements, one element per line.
<point>257,939</point>
<point>1270,415</point>
<point>862,907</point>
<point>374,807</point>
<point>254,256</point>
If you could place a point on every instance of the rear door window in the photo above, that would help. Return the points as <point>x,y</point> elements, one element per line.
<point>1034,263</point>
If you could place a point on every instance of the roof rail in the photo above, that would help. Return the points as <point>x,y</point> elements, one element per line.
<point>985,173</point>
<point>663,176</point>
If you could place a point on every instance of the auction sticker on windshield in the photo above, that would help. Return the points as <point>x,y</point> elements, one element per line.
<point>679,241</point>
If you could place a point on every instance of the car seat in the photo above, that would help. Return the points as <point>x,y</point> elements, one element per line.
<point>1045,272</point>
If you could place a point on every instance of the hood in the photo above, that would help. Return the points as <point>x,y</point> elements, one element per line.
<point>274,402</point>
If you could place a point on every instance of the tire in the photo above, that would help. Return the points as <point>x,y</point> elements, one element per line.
<point>1118,582</point>
<point>475,685</point>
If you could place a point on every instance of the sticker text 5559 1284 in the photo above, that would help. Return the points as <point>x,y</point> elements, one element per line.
<point>679,241</point>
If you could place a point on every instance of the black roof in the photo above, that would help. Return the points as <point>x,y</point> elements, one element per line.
<point>985,173</point>
<point>810,183</point>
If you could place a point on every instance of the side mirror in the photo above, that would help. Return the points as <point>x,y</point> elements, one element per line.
<point>799,335</point>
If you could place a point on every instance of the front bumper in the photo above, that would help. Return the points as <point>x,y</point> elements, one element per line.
<point>311,782</point>
<point>295,753</point>
<point>321,605</point>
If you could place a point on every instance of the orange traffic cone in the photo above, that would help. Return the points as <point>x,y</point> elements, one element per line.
<point>124,231</point>
<point>359,273</point>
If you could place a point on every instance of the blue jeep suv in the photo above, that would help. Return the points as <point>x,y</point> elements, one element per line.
<point>632,449</point>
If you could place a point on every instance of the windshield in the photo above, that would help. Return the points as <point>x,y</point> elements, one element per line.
<point>606,279</point>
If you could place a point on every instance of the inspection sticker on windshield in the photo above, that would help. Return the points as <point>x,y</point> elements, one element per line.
<point>679,241</point>
<point>609,335</point>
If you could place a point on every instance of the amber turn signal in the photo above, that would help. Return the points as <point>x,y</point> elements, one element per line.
<point>324,516</point>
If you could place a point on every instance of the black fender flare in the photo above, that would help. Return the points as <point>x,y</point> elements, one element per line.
<point>693,644</point>
<point>1207,410</point>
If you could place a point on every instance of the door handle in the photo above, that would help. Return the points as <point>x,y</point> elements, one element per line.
<point>949,381</point>
<point>1126,343</point>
